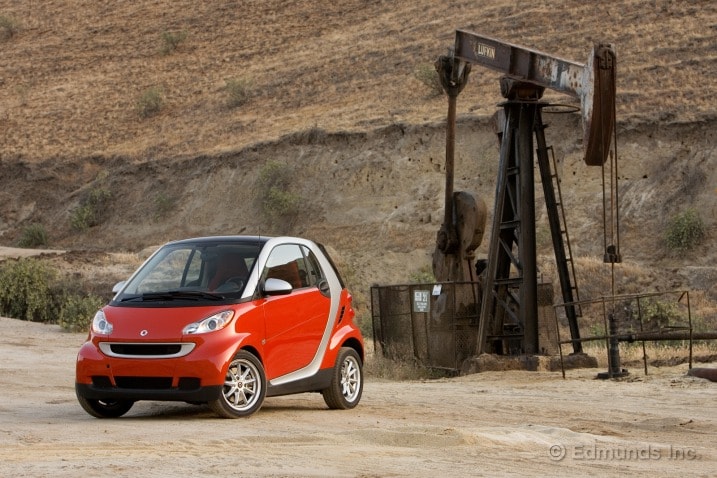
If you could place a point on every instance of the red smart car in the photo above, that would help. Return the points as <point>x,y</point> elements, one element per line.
<point>225,321</point>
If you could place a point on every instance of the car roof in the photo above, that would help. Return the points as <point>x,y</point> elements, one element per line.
<point>224,239</point>
<point>243,239</point>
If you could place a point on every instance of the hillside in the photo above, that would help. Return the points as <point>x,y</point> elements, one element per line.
<point>74,70</point>
<point>333,96</point>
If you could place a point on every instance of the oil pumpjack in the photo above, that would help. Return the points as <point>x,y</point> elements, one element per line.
<point>508,303</point>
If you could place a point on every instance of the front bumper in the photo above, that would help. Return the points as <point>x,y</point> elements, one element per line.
<point>99,392</point>
<point>195,377</point>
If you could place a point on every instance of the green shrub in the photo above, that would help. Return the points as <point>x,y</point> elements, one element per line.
<point>150,102</point>
<point>275,173</point>
<point>422,276</point>
<point>81,218</point>
<point>8,27</point>
<point>25,290</point>
<point>238,91</point>
<point>428,76</point>
<point>685,231</point>
<point>171,41</point>
<point>77,310</point>
<point>30,290</point>
<point>92,210</point>
<point>276,199</point>
<point>33,236</point>
<point>163,205</point>
<point>279,203</point>
<point>657,314</point>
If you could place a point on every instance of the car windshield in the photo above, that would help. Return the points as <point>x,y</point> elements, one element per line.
<point>197,272</point>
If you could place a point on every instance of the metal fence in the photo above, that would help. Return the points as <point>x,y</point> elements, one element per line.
<point>435,324</point>
<point>649,317</point>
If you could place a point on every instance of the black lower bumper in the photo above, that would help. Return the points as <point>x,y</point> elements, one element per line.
<point>201,394</point>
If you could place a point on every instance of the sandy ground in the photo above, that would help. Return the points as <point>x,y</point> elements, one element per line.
<point>6,252</point>
<point>490,424</point>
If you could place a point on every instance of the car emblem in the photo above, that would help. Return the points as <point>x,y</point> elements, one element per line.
<point>144,333</point>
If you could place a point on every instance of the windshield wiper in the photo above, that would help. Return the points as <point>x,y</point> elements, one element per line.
<point>174,295</point>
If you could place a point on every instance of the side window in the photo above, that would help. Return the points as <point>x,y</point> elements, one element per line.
<point>286,262</point>
<point>313,272</point>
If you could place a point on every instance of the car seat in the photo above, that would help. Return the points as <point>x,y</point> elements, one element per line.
<point>230,265</point>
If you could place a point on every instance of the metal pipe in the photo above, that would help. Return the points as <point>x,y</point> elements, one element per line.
<point>614,349</point>
<point>450,162</point>
<point>650,337</point>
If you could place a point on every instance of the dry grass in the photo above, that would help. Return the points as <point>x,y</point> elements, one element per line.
<point>379,367</point>
<point>597,279</point>
<point>73,72</point>
<point>703,309</point>
<point>658,354</point>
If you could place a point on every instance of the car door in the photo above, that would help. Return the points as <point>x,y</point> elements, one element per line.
<point>294,323</point>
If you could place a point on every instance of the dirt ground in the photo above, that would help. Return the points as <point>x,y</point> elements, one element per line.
<point>490,424</point>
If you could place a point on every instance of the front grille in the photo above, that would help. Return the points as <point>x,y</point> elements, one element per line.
<point>101,381</point>
<point>189,383</point>
<point>144,383</point>
<point>185,384</point>
<point>146,350</point>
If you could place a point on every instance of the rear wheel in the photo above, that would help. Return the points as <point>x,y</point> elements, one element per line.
<point>244,387</point>
<point>347,381</point>
<point>105,408</point>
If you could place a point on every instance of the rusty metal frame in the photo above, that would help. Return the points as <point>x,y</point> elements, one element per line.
<point>527,73</point>
<point>593,83</point>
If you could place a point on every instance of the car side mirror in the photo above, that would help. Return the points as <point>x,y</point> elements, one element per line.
<point>274,286</point>
<point>118,286</point>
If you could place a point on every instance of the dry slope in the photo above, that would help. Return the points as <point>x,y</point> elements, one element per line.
<point>334,97</point>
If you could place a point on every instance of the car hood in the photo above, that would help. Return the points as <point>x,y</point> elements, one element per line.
<point>154,324</point>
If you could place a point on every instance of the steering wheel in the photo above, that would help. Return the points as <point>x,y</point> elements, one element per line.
<point>232,284</point>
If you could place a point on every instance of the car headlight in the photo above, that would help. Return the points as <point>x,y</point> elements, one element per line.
<point>100,325</point>
<point>210,324</point>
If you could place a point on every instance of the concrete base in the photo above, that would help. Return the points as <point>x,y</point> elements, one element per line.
<point>536,363</point>
<point>708,373</point>
<point>617,374</point>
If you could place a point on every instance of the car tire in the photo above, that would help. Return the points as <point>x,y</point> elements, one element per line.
<point>347,381</point>
<point>244,387</point>
<point>105,408</point>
